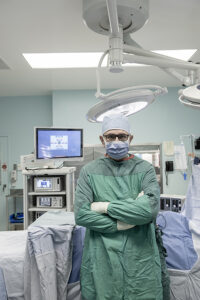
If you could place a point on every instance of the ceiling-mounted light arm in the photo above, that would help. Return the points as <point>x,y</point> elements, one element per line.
<point>116,53</point>
<point>118,19</point>
<point>159,62</point>
<point>192,74</point>
<point>113,18</point>
<point>128,41</point>
<point>131,49</point>
<point>186,80</point>
<point>197,75</point>
<point>115,38</point>
<point>166,63</point>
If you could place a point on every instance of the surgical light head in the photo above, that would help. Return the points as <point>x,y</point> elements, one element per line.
<point>126,101</point>
<point>190,96</point>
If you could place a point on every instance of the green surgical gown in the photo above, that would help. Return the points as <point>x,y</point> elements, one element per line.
<point>119,265</point>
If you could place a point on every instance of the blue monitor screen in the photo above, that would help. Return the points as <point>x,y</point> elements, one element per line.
<point>58,143</point>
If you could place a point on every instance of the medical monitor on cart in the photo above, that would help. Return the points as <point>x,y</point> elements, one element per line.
<point>64,144</point>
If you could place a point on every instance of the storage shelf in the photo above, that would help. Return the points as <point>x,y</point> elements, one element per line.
<point>49,172</point>
<point>45,209</point>
<point>46,193</point>
<point>31,211</point>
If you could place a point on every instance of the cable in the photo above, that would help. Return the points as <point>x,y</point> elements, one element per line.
<point>98,73</point>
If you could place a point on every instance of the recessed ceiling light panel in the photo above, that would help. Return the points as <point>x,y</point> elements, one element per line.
<point>63,60</point>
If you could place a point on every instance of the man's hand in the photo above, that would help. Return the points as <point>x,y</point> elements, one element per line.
<point>123,226</point>
<point>100,207</point>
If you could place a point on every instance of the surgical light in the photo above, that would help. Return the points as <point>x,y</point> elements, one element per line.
<point>126,101</point>
<point>118,19</point>
<point>190,96</point>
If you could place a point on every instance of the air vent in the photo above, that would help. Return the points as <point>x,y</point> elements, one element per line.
<point>3,65</point>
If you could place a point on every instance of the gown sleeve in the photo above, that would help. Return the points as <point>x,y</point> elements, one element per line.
<point>84,216</point>
<point>143,209</point>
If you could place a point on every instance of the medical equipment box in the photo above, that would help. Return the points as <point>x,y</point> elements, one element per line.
<point>39,214</point>
<point>171,202</point>
<point>47,184</point>
<point>50,201</point>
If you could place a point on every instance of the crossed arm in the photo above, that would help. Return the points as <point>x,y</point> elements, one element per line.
<point>108,217</point>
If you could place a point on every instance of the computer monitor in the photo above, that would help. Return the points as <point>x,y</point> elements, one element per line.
<point>64,144</point>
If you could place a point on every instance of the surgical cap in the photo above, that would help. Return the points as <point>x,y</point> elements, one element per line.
<point>117,121</point>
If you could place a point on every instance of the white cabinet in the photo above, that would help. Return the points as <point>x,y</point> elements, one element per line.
<point>47,189</point>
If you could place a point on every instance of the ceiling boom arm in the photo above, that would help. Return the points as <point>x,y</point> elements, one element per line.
<point>118,19</point>
<point>165,63</point>
<point>113,18</point>
<point>185,80</point>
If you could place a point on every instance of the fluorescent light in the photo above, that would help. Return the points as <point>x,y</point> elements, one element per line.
<point>63,60</point>
<point>87,59</point>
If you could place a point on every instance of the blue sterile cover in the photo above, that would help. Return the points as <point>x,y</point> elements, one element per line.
<point>3,292</point>
<point>177,240</point>
<point>17,218</point>
<point>78,241</point>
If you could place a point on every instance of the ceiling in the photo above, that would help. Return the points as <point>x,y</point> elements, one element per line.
<point>28,26</point>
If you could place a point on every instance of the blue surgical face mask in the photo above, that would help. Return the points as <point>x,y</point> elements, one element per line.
<point>117,150</point>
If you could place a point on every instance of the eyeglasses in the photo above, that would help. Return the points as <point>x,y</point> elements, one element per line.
<point>112,137</point>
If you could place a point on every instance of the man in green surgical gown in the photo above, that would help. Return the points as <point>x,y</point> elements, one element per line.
<point>117,200</point>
